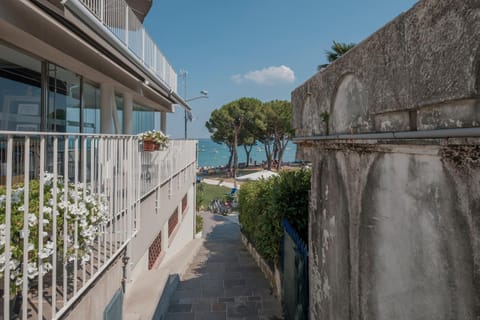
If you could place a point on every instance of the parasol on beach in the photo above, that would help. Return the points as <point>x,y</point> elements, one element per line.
<point>264,174</point>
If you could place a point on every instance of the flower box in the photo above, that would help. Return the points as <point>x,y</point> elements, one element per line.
<point>150,145</point>
<point>154,140</point>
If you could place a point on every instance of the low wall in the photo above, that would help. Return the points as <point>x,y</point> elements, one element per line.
<point>273,276</point>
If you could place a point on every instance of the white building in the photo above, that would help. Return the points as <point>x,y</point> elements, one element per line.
<point>78,80</point>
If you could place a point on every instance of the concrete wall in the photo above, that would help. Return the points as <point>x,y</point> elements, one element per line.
<point>156,210</point>
<point>185,231</point>
<point>395,224</point>
<point>92,304</point>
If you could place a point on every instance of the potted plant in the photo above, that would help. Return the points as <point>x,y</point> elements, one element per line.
<point>79,207</point>
<point>154,140</point>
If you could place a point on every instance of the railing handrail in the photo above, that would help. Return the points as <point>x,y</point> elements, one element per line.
<point>66,134</point>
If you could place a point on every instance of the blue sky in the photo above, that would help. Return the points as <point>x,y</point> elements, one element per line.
<point>255,48</point>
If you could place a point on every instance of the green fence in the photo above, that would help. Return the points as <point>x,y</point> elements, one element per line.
<point>295,274</point>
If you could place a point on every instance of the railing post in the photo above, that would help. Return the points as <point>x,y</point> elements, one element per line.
<point>8,219</point>
<point>26,233</point>
<point>143,46</point>
<point>155,60</point>
<point>126,26</point>
<point>102,10</point>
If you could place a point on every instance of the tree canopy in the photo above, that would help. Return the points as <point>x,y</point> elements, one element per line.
<point>232,122</point>
<point>246,121</point>
<point>337,50</point>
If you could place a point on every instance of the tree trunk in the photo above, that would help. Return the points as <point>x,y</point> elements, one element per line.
<point>248,150</point>
<point>268,154</point>
<point>235,153</point>
<point>280,155</point>
<point>230,158</point>
<point>282,146</point>
<point>275,150</point>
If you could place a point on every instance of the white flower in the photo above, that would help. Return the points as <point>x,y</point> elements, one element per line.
<point>32,220</point>
<point>32,270</point>
<point>47,266</point>
<point>48,178</point>
<point>47,210</point>
<point>50,245</point>
<point>13,264</point>
<point>85,258</point>
<point>45,253</point>
<point>2,262</point>
<point>89,199</point>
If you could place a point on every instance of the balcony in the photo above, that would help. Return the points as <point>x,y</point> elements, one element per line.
<point>117,17</point>
<point>69,206</point>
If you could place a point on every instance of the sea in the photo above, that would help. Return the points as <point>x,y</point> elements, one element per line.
<point>211,154</point>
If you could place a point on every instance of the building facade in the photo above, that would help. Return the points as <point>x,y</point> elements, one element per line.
<point>84,211</point>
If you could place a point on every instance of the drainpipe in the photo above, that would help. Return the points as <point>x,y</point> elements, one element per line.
<point>426,134</point>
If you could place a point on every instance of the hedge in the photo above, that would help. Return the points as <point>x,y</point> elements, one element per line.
<point>263,204</point>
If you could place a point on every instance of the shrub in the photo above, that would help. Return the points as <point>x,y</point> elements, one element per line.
<point>76,207</point>
<point>263,205</point>
<point>199,224</point>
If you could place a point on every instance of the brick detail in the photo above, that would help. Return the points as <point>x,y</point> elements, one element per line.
<point>172,222</point>
<point>184,203</point>
<point>154,250</point>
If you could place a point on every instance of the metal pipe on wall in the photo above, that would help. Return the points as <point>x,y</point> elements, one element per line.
<point>426,134</point>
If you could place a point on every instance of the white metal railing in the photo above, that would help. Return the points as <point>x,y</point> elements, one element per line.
<point>159,167</point>
<point>119,18</point>
<point>69,205</point>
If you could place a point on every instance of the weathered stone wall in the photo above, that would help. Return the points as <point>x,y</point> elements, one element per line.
<point>418,72</point>
<point>395,224</point>
<point>395,231</point>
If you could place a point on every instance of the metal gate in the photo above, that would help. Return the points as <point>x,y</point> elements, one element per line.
<point>113,311</point>
<point>295,274</point>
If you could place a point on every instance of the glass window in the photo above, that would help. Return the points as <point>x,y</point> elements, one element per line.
<point>63,100</point>
<point>20,93</point>
<point>91,108</point>
<point>119,104</point>
<point>143,119</point>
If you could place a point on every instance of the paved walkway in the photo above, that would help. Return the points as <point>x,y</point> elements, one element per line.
<point>223,281</point>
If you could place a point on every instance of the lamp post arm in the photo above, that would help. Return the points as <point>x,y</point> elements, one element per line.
<point>195,98</point>
<point>188,100</point>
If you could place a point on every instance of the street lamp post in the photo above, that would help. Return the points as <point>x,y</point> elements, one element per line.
<point>203,95</point>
